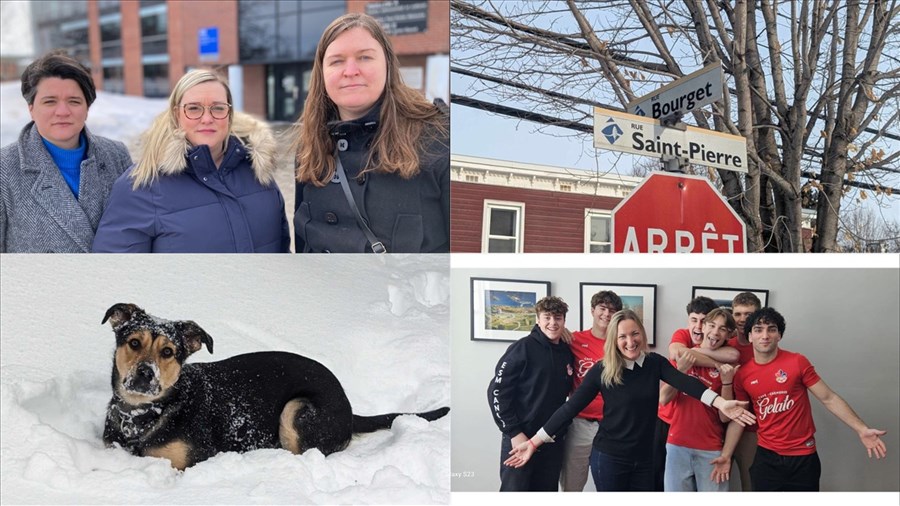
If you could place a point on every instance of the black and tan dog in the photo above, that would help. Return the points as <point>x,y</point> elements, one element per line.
<point>187,413</point>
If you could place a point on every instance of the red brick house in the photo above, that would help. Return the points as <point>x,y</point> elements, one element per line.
<point>501,206</point>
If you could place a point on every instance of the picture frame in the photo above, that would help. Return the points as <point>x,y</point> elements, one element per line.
<point>640,298</point>
<point>724,296</point>
<point>503,309</point>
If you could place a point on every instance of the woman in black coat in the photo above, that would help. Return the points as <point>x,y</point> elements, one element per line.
<point>392,146</point>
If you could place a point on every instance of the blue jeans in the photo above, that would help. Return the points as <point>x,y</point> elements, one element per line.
<point>620,474</point>
<point>688,470</point>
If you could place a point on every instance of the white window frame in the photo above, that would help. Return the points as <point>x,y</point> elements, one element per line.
<point>518,207</point>
<point>591,213</point>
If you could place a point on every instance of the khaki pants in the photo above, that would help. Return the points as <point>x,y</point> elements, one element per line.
<point>576,462</point>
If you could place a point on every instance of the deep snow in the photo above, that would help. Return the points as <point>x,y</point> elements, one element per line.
<point>380,324</point>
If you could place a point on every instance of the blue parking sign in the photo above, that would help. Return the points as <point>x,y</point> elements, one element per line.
<point>208,42</point>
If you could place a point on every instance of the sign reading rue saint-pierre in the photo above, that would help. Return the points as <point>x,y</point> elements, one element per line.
<point>639,135</point>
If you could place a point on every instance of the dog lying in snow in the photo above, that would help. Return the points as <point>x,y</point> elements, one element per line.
<point>187,413</point>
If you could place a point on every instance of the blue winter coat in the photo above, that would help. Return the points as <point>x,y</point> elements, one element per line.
<point>192,207</point>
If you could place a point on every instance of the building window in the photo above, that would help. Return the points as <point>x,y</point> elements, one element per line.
<point>287,31</point>
<point>156,80</point>
<point>111,36</point>
<point>597,226</point>
<point>113,79</point>
<point>472,178</point>
<point>502,228</point>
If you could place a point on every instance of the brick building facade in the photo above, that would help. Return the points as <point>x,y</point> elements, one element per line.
<point>500,206</point>
<point>142,47</point>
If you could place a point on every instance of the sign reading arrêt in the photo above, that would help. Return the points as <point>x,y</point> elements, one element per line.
<point>676,213</point>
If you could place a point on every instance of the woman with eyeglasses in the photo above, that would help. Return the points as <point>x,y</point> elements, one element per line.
<point>205,182</point>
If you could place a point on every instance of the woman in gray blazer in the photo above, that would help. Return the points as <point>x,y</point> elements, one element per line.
<point>55,180</point>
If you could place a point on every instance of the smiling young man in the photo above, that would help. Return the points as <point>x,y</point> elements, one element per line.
<point>696,432</point>
<point>532,380</point>
<point>687,340</point>
<point>776,382</point>
<point>587,347</point>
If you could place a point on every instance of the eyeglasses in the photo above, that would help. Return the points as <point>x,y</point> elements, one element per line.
<point>217,110</point>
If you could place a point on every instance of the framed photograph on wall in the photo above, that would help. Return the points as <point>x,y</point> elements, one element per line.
<point>503,309</point>
<point>639,298</point>
<point>724,296</point>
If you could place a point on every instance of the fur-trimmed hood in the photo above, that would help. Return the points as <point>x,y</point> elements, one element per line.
<point>254,135</point>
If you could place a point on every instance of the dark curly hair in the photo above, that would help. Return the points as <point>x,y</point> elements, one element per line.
<point>765,315</point>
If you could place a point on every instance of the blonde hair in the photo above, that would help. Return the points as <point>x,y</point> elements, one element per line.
<point>613,361</point>
<point>403,117</point>
<point>158,139</point>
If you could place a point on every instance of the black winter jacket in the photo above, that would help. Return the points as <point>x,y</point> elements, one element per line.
<point>406,215</point>
<point>531,380</point>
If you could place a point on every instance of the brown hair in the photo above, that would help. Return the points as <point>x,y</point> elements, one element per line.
<point>57,63</point>
<point>608,297</point>
<point>403,117</point>
<point>552,305</point>
<point>719,311</point>
<point>746,299</point>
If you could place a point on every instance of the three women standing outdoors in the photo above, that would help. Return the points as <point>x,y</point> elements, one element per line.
<point>372,168</point>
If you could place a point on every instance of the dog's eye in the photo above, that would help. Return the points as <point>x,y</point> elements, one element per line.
<point>134,343</point>
<point>167,353</point>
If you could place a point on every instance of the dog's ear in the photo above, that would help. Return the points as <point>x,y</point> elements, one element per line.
<point>193,336</point>
<point>120,313</point>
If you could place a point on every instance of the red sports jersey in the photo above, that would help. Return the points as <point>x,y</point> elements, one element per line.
<point>694,424</point>
<point>682,336</point>
<point>746,351</point>
<point>777,393</point>
<point>588,350</point>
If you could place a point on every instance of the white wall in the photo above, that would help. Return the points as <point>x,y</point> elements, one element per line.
<point>844,320</point>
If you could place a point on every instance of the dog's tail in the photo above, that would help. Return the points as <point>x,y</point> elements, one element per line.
<point>377,422</point>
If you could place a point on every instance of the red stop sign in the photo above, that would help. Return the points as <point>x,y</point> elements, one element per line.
<point>676,213</point>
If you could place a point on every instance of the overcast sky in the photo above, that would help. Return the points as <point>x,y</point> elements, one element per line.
<point>15,29</point>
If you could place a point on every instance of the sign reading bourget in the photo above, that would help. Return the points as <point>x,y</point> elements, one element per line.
<point>681,96</point>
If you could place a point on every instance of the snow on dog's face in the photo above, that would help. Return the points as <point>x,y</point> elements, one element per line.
<point>150,352</point>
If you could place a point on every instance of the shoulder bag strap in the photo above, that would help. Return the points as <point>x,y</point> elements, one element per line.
<point>377,246</point>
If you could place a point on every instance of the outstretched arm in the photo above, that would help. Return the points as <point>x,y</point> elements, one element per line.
<point>870,438</point>
<point>722,464</point>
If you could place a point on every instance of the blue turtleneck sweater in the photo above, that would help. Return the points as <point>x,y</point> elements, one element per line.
<point>68,161</point>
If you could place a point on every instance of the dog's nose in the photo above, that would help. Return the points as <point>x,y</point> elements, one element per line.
<point>144,372</point>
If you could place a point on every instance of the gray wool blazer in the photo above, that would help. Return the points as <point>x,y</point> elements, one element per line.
<point>38,211</point>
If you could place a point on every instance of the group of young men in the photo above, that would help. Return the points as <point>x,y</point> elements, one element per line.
<point>736,353</point>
